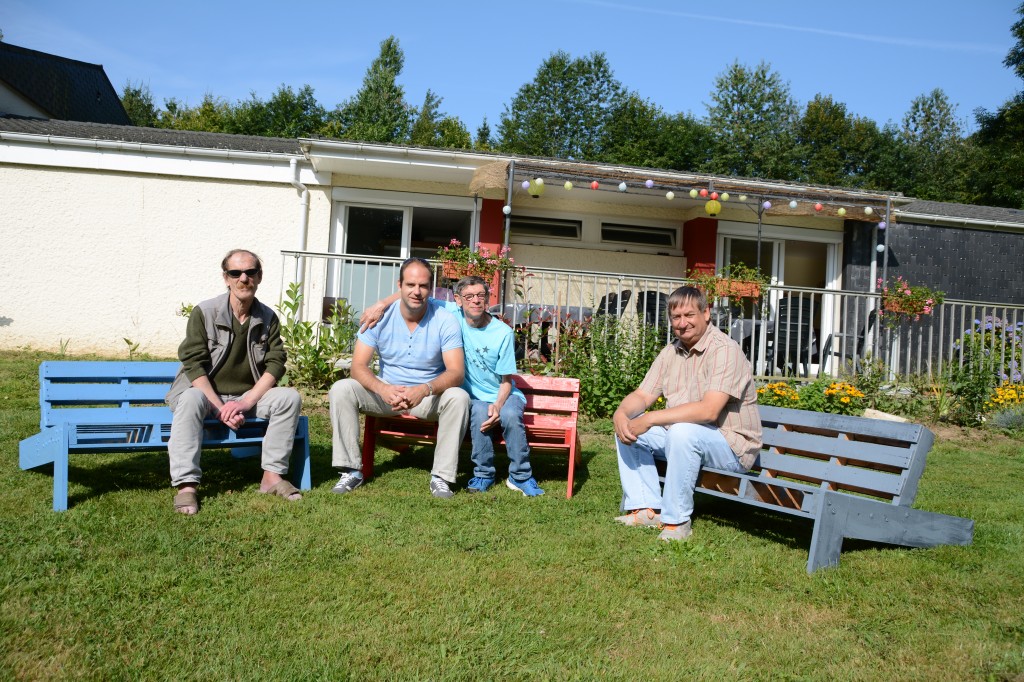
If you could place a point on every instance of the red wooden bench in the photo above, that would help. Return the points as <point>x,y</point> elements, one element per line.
<point>552,405</point>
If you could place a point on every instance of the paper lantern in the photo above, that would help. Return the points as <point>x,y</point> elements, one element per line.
<point>622,186</point>
<point>743,197</point>
<point>670,195</point>
<point>649,184</point>
<point>818,207</point>
<point>536,188</point>
<point>567,185</point>
<point>792,204</point>
<point>766,205</point>
<point>693,194</point>
<point>703,192</point>
<point>868,210</point>
<point>526,184</point>
<point>725,196</point>
<point>595,184</point>
<point>880,248</point>
<point>882,225</point>
<point>841,211</point>
<point>714,195</point>
<point>506,209</point>
<point>712,208</point>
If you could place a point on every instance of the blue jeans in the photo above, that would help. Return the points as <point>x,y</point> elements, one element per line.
<point>685,448</point>
<point>511,420</point>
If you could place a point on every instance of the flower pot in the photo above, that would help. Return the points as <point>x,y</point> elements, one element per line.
<point>738,288</point>
<point>455,270</point>
<point>896,305</point>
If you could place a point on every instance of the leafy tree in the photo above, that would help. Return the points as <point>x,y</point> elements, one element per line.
<point>937,153</point>
<point>563,112</point>
<point>137,101</point>
<point>999,171</point>
<point>286,114</point>
<point>640,133</point>
<point>453,134</point>
<point>378,112</point>
<point>752,117</point>
<point>424,128</point>
<point>213,115</point>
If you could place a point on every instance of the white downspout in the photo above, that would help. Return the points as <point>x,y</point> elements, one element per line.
<point>303,215</point>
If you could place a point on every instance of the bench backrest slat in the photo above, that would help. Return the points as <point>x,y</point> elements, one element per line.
<point>131,392</point>
<point>869,456</point>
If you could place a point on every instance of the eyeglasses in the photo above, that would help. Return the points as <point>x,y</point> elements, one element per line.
<point>250,273</point>
<point>482,296</point>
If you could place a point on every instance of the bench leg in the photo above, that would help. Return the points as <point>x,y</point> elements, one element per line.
<point>574,459</point>
<point>369,445</point>
<point>60,482</point>
<point>300,461</point>
<point>827,537</point>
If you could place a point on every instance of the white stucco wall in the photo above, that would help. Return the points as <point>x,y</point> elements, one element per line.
<point>94,257</point>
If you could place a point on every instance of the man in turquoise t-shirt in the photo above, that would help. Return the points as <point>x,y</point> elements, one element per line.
<point>488,344</point>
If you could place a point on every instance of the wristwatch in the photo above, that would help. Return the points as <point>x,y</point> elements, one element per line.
<point>430,388</point>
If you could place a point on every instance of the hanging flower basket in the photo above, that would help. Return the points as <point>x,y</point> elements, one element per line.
<point>902,302</point>
<point>455,270</point>
<point>459,260</point>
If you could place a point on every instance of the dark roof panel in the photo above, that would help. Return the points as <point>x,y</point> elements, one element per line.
<point>67,89</point>
<point>941,209</point>
<point>159,136</point>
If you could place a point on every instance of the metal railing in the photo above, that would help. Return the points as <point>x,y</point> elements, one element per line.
<point>790,331</point>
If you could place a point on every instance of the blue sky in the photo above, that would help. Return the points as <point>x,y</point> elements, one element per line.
<point>874,56</point>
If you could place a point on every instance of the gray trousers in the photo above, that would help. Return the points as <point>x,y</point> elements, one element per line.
<point>450,410</point>
<point>280,406</point>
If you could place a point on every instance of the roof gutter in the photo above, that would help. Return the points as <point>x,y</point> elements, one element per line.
<point>955,221</point>
<point>144,147</point>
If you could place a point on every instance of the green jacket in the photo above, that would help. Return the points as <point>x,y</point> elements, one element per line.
<point>208,337</point>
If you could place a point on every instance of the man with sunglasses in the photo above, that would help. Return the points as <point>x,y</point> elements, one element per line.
<point>421,369</point>
<point>231,360</point>
<point>489,346</point>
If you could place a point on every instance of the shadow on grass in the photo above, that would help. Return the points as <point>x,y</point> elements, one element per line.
<point>790,531</point>
<point>107,473</point>
<point>547,466</point>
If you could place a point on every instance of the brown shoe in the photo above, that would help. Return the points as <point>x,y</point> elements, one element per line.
<point>641,517</point>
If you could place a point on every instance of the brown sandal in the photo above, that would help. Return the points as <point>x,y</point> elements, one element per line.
<point>283,489</point>
<point>185,501</point>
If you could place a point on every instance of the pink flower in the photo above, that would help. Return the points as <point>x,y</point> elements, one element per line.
<point>907,292</point>
<point>455,242</point>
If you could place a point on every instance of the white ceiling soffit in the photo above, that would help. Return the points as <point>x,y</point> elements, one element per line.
<point>407,163</point>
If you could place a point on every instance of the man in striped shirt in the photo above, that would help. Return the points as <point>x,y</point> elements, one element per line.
<point>710,419</point>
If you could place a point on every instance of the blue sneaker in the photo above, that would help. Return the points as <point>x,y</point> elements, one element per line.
<point>528,487</point>
<point>479,485</point>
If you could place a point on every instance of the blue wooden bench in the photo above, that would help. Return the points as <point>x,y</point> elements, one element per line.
<point>852,477</point>
<point>96,407</point>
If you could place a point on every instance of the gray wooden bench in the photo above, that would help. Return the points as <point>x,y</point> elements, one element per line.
<point>852,477</point>
<point>96,407</point>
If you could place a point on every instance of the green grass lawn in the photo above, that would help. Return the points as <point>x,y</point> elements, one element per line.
<point>389,583</point>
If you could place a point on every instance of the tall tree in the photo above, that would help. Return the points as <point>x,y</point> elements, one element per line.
<point>378,112</point>
<point>424,128</point>
<point>938,154</point>
<point>999,177</point>
<point>483,140</point>
<point>752,117</point>
<point>137,101</point>
<point>563,112</point>
<point>212,115</point>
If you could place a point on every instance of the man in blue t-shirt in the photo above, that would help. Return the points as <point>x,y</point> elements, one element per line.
<point>421,370</point>
<point>490,363</point>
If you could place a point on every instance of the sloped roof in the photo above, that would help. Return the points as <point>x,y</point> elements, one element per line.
<point>67,89</point>
<point>968,212</point>
<point>158,136</point>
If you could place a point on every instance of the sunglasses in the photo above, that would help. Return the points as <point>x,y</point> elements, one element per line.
<point>250,273</point>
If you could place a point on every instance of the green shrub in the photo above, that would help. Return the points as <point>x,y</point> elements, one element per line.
<point>316,351</point>
<point>610,358</point>
<point>1010,419</point>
